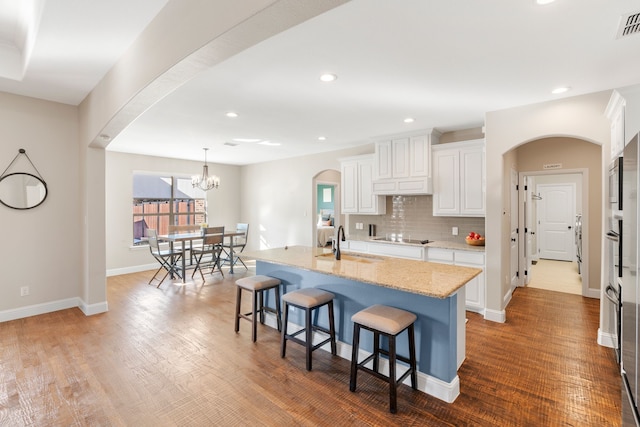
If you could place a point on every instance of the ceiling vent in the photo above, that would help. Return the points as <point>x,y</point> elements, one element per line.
<point>629,24</point>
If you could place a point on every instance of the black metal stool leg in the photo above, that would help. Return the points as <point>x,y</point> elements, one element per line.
<point>412,358</point>
<point>278,312</point>
<point>332,330</point>
<point>283,343</point>
<point>254,314</point>
<point>238,298</point>
<point>309,336</point>
<point>354,357</point>
<point>393,386</point>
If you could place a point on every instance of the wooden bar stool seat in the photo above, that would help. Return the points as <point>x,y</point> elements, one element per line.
<point>308,299</point>
<point>257,285</point>
<point>388,322</point>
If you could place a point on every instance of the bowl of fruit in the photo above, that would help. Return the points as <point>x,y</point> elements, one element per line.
<point>474,239</point>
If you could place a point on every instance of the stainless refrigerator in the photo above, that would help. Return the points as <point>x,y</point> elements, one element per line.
<point>629,288</point>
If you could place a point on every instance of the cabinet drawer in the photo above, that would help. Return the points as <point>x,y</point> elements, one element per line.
<point>385,187</point>
<point>470,257</point>
<point>400,251</point>
<point>439,255</point>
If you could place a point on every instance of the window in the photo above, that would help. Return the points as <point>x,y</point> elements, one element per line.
<point>160,201</point>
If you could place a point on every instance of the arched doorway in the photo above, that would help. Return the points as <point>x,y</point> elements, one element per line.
<point>326,217</point>
<point>559,162</point>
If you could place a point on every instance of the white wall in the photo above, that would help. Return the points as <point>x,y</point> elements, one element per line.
<point>223,204</point>
<point>277,198</point>
<point>579,117</point>
<point>41,247</point>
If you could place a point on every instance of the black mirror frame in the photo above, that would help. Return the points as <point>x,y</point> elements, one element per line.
<point>46,190</point>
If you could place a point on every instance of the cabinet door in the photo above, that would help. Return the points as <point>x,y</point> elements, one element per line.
<point>472,181</point>
<point>383,155</point>
<point>400,158</point>
<point>349,187</point>
<point>446,182</point>
<point>474,299</point>
<point>475,288</point>
<point>420,156</point>
<point>367,200</point>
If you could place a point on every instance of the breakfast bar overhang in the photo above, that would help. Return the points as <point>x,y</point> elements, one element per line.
<point>434,292</point>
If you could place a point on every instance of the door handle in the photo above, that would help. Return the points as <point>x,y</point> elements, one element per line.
<point>513,239</point>
<point>569,227</point>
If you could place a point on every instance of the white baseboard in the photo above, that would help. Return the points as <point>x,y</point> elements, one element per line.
<point>499,316</point>
<point>606,339</point>
<point>49,307</point>
<point>435,387</point>
<point>91,309</point>
<point>132,269</point>
<point>593,293</point>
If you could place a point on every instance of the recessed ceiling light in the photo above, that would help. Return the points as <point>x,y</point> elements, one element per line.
<point>409,120</point>
<point>328,77</point>
<point>544,1</point>
<point>247,139</point>
<point>561,89</point>
<point>269,143</point>
<point>231,114</point>
<point>322,138</point>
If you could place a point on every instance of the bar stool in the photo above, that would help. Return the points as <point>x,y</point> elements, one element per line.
<point>389,322</point>
<point>308,299</point>
<point>257,285</point>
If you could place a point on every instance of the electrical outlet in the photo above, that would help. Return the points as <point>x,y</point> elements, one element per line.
<point>454,231</point>
<point>24,291</point>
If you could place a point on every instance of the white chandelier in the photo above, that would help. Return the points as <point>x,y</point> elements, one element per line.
<point>205,181</point>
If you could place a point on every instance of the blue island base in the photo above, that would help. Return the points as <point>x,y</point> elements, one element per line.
<point>439,328</point>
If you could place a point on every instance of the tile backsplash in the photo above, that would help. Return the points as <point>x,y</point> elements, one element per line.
<point>412,216</point>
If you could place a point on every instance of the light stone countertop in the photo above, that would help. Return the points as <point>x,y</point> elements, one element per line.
<point>454,245</point>
<point>420,277</point>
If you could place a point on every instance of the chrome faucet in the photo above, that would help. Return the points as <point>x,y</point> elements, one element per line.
<point>337,248</point>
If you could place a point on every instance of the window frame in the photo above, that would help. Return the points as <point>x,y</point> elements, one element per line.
<point>180,206</point>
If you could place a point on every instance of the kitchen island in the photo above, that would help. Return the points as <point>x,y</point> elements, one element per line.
<point>434,292</point>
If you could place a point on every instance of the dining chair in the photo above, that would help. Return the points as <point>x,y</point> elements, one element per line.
<point>167,258</point>
<point>238,243</point>
<point>211,246</point>
<point>186,228</point>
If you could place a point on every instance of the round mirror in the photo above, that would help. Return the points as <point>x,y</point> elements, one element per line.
<point>22,190</point>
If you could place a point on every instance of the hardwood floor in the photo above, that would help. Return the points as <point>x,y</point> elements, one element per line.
<point>169,357</point>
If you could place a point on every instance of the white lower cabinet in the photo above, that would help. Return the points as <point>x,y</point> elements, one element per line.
<point>475,289</point>
<point>386,249</point>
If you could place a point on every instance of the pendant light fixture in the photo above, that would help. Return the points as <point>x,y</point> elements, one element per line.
<point>205,181</point>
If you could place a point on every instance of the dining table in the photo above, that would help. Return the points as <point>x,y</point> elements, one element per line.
<point>231,235</point>
<point>198,235</point>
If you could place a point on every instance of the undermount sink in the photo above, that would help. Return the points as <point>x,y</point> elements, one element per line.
<point>352,256</point>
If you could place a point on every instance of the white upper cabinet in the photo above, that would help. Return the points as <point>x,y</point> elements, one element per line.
<point>615,114</point>
<point>459,179</point>
<point>357,188</point>
<point>402,165</point>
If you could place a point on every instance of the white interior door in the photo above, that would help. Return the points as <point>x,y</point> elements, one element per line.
<point>556,221</point>
<point>514,229</point>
